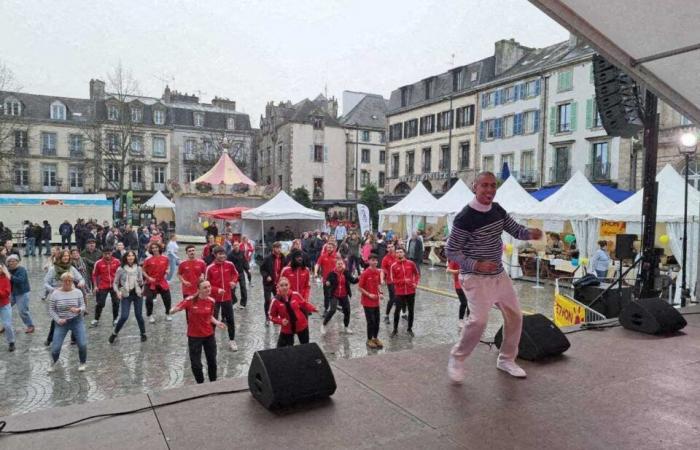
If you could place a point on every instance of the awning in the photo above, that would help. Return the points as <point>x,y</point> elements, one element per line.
<point>224,214</point>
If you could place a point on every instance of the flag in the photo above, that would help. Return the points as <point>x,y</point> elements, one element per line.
<point>364,218</point>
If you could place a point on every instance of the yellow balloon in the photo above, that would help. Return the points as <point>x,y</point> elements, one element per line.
<point>509,248</point>
<point>664,239</point>
<point>205,224</point>
<point>584,261</point>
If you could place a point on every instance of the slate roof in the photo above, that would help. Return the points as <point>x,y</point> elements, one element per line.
<point>39,106</point>
<point>306,109</point>
<point>370,112</point>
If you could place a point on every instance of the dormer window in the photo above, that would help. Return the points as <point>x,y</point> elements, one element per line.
<point>58,111</point>
<point>12,107</point>
<point>159,116</point>
<point>230,123</point>
<point>198,119</point>
<point>136,114</point>
<point>113,112</point>
<point>317,122</point>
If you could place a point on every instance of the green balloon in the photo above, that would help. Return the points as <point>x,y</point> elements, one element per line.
<point>569,238</point>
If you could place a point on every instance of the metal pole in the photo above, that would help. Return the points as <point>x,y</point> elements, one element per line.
<point>684,290</point>
<point>650,261</point>
<point>537,279</point>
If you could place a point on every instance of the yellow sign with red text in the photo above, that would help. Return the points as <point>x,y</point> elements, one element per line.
<point>567,312</point>
<point>608,228</point>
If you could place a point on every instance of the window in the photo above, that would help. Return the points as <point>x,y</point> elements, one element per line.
<point>382,137</point>
<point>464,155</point>
<point>395,132</point>
<point>560,171</point>
<point>507,159</point>
<point>508,94</point>
<point>382,156</point>
<point>75,145</point>
<point>410,128</point>
<point>136,173</point>
<point>136,114</point>
<point>488,99</point>
<point>487,164</point>
<point>159,116</point>
<point>365,136</point>
<point>137,145</point>
<point>405,95</point>
<point>75,176</point>
<point>280,154</point>
<point>318,153</point>
<point>113,173</point>
<point>230,123</point>
<point>113,142</point>
<point>279,180</point>
<point>600,161</point>
<point>395,165</point>
<point>20,139</point>
<point>159,174</point>
<point>427,124</point>
<point>565,80</point>
<point>593,119</point>
<point>458,80</point>
<point>21,171</point>
<point>12,107</point>
<point>490,127</point>
<point>190,174</point>
<point>531,122</point>
<point>317,123</point>
<point>427,157</point>
<point>365,155</point>
<point>190,146</point>
<point>113,112</point>
<point>429,86</point>
<point>474,76</point>
<point>48,144</point>
<point>445,158</point>
<point>410,163</point>
<point>508,126</point>
<point>444,121</point>
<point>318,188</point>
<point>564,118</point>
<point>531,88</point>
<point>527,166</point>
<point>684,121</point>
<point>48,175</point>
<point>198,119</point>
<point>58,111</point>
<point>364,178</point>
<point>465,116</point>
<point>381,180</point>
<point>159,147</point>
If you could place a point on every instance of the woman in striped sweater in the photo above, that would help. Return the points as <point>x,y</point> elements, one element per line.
<point>66,308</point>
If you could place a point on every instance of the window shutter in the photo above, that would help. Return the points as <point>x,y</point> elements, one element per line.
<point>536,122</point>
<point>482,130</point>
<point>573,115</point>
<point>497,97</point>
<point>523,91</point>
<point>517,123</point>
<point>589,113</point>
<point>560,81</point>
<point>518,91</point>
<point>537,87</point>
<point>497,128</point>
<point>570,79</point>
<point>552,120</point>
<point>311,152</point>
<point>484,98</point>
<point>325,153</point>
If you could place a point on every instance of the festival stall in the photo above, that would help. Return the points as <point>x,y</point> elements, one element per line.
<point>162,208</point>
<point>416,208</point>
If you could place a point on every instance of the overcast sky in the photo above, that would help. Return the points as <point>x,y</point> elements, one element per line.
<point>256,51</point>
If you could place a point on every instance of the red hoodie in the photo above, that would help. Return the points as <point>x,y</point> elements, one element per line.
<point>299,280</point>
<point>103,273</point>
<point>278,312</point>
<point>405,277</point>
<point>220,275</point>
<point>387,261</point>
<point>5,290</point>
<point>156,267</point>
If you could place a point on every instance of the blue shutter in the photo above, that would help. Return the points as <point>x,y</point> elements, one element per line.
<point>311,152</point>
<point>325,153</point>
<point>523,91</point>
<point>497,128</point>
<point>484,100</point>
<point>517,92</point>
<point>482,131</point>
<point>537,87</point>
<point>518,124</point>
<point>497,96</point>
<point>536,122</point>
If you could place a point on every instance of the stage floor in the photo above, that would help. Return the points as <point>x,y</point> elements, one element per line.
<point>613,389</point>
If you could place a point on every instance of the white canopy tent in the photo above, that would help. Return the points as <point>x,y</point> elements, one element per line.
<point>454,200</point>
<point>417,204</point>
<point>163,209</point>
<point>281,208</point>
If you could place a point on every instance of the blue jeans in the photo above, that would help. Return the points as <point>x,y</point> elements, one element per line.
<point>124,306</point>
<point>6,318</point>
<point>77,326</point>
<point>29,248</point>
<point>22,301</point>
<point>47,247</point>
<point>601,273</point>
<point>172,259</point>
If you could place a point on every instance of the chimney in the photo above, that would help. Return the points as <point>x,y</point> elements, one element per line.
<point>224,103</point>
<point>332,107</point>
<point>166,94</point>
<point>507,53</point>
<point>97,89</point>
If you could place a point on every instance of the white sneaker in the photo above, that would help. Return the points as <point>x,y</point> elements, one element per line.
<point>81,368</point>
<point>94,323</point>
<point>114,322</point>
<point>152,319</point>
<point>323,330</point>
<point>460,324</point>
<point>348,330</point>
<point>511,368</point>
<point>232,345</point>
<point>455,370</point>
<point>168,318</point>
<point>52,368</point>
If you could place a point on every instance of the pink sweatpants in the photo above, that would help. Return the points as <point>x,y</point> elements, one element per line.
<point>482,293</point>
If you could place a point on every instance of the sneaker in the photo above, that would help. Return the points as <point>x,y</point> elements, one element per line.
<point>323,330</point>
<point>143,338</point>
<point>232,345</point>
<point>168,318</point>
<point>348,330</point>
<point>378,343</point>
<point>12,347</point>
<point>94,323</point>
<point>52,368</point>
<point>81,368</point>
<point>511,368</point>
<point>114,322</point>
<point>460,324</point>
<point>152,319</point>
<point>29,330</point>
<point>112,337</point>
<point>455,370</point>
<point>386,319</point>
<point>371,343</point>
<point>394,333</point>
<point>410,333</point>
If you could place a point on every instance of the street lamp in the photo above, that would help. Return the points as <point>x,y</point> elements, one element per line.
<point>688,146</point>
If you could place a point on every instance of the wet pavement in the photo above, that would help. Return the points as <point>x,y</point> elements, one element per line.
<point>129,366</point>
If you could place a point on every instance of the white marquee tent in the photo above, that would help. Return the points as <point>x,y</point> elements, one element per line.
<point>454,200</point>
<point>163,209</point>
<point>514,198</point>
<point>410,210</point>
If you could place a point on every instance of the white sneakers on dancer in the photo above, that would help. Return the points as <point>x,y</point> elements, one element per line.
<point>233,346</point>
<point>152,319</point>
<point>323,330</point>
<point>511,368</point>
<point>455,370</point>
<point>348,330</point>
<point>81,368</point>
<point>168,318</point>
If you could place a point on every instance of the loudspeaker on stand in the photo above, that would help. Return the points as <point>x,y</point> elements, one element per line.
<point>540,338</point>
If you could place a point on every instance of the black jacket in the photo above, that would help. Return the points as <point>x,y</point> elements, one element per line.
<point>267,269</point>
<point>38,232</point>
<point>332,280</point>
<point>131,240</point>
<point>238,260</point>
<point>46,232</point>
<point>306,260</point>
<point>65,229</point>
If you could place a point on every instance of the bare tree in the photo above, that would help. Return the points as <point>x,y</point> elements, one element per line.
<point>213,145</point>
<point>10,119</point>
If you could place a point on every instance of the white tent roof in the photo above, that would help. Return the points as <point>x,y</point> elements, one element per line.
<point>513,198</point>
<point>669,203</point>
<point>577,199</point>
<point>655,42</point>
<point>282,207</point>
<point>418,202</point>
<point>159,200</point>
<point>455,199</point>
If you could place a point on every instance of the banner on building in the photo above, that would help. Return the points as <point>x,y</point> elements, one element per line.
<point>610,228</point>
<point>364,218</point>
<point>567,312</point>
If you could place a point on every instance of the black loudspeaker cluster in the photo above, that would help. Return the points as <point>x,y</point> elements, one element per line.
<point>652,316</point>
<point>540,338</point>
<point>617,99</point>
<point>624,246</point>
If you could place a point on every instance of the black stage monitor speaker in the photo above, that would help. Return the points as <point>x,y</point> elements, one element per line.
<point>617,99</point>
<point>289,375</point>
<point>624,246</point>
<point>610,304</point>
<point>651,316</point>
<point>540,338</point>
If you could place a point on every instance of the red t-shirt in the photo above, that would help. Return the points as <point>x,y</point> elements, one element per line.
<point>327,263</point>
<point>369,281</point>
<point>455,276</point>
<point>199,314</point>
<point>387,261</point>
<point>191,270</point>
<point>155,267</point>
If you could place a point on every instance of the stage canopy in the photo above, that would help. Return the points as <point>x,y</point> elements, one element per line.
<point>657,42</point>
<point>454,200</point>
<point>284,211</point>
<point>513,198</point>
<point>224,214</point>
<point>225,171</point>
<point>406,215</point>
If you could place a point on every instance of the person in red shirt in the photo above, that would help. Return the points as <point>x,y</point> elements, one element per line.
<point>248,249</point>
<point>405,276</point>
<point>270,270</point>
<point>298,275</point>
<point>6,307</point>
<point>326,262</point>
<point>338,284</point>
<point>200,332</point>
<point>387,261</point>
<point>453,268</point>
<point>223,276</point>
<point>370,282</point>
<point>155,274</point>
<point>289,310</point>
<point>103,279</point>
<point>190,272</point>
